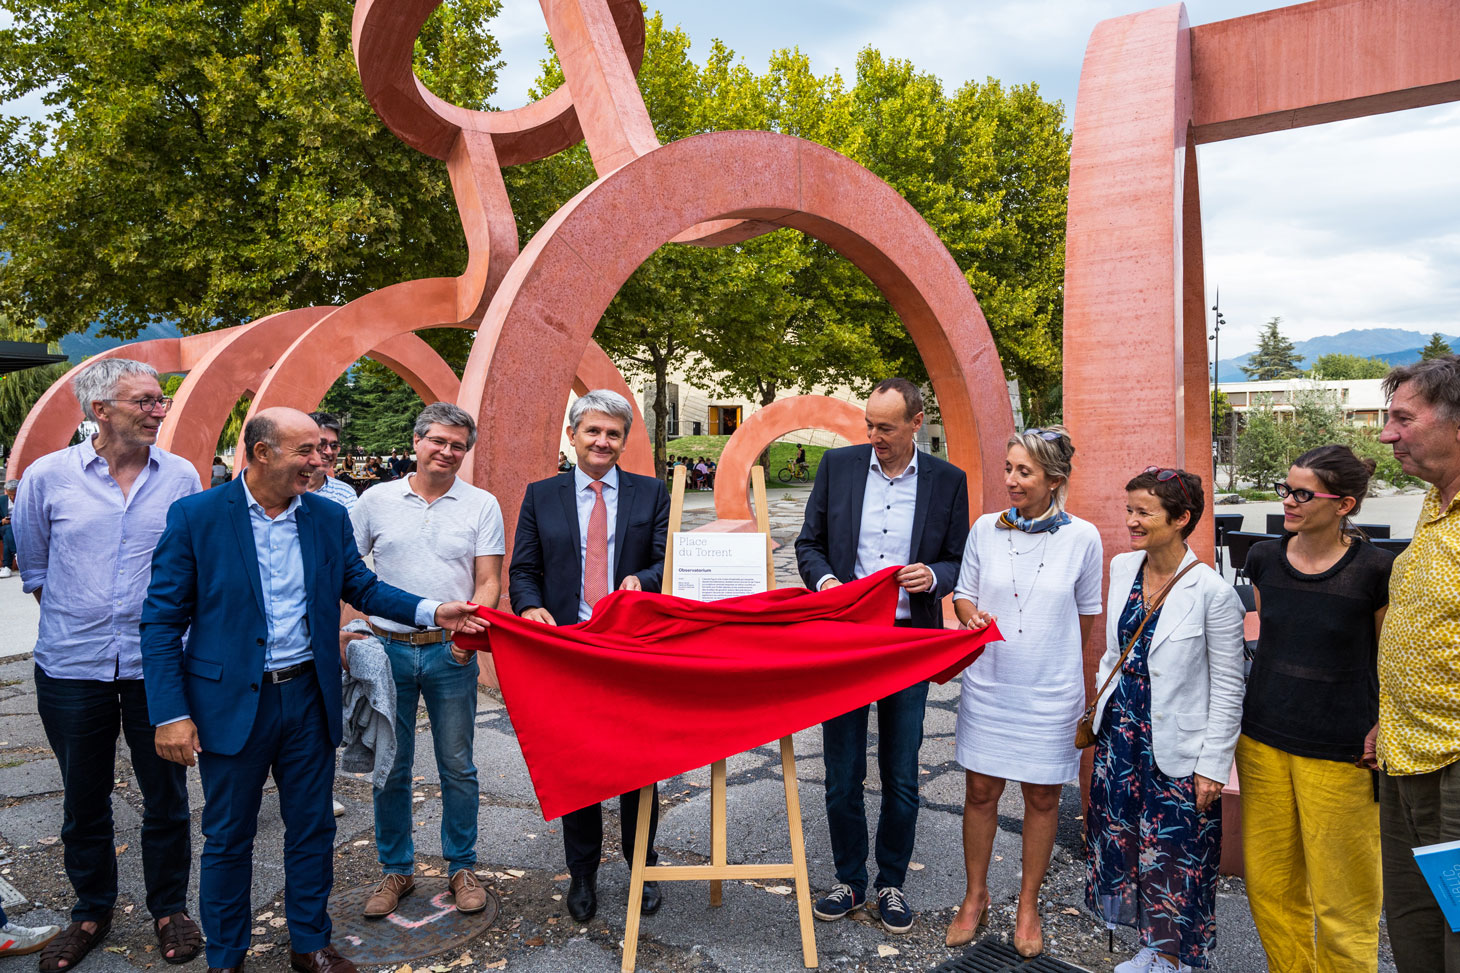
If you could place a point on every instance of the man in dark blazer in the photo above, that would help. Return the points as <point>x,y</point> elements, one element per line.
<point>873,507</point>
<point>256,569</point>
<point>580,535</point>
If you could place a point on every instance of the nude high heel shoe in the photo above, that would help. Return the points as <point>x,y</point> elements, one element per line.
<point>962,937</point>
<point>1029,948</point>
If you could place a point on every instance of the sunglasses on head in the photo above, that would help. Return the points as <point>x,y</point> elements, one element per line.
<point>1164,475</point>
<point>1299,494</point>
<point>1048,435</point>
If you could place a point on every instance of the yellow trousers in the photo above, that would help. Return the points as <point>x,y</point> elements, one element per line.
<point>1310,847</point>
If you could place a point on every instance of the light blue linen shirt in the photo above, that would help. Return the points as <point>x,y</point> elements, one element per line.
<point>888,507</point>
<point>286,599</point>
<point>585,498</point>
<point>89,550</point>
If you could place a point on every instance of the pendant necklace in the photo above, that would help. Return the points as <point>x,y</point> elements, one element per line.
<point>1013,581</point>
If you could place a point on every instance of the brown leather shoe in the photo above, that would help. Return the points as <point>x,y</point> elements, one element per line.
<point>470,896</point>
<point>325,960</point>
<point>387,895</point>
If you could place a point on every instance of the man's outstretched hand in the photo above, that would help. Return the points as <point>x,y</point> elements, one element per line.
<point>460,616</point>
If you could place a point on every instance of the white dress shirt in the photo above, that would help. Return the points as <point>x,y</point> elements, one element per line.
<point>888,506</point>
<point>585,498</point>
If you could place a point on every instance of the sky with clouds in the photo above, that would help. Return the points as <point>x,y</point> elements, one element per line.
<point>1335,227</point>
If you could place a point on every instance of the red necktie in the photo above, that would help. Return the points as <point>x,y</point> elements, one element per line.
<point>595,561</point>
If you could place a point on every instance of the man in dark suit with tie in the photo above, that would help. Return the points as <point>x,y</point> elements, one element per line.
<point>873,507</point>
<point>580,535</point>
<point>256,569</point>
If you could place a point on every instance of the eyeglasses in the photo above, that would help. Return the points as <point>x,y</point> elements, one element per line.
<point>446,445</point>
<point>148,404</point>
<point>325,446</point>
<point>1164,475</point>
<point>1299,494</point>
<point>1048,435</point>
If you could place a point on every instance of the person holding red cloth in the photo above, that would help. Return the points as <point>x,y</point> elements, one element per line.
<point>871,507</point>
<point>580,535</point>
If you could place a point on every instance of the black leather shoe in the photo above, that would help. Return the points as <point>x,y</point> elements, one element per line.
<point>583,897</point>
<point>652,900</point>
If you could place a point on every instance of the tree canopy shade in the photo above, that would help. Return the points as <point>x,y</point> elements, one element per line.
<point>1274,358</point>
<point>1438,347</point>
<point>212,161</point>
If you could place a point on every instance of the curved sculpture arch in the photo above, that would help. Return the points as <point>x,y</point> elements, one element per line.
<point>764,427</point>
<point>556,291</point>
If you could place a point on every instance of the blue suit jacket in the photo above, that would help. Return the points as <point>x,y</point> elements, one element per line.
<point>828,540</point>
<point>205,577</point>
<point>547,567</point>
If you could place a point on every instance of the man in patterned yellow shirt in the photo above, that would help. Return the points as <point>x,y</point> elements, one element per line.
<point>1418,745</point>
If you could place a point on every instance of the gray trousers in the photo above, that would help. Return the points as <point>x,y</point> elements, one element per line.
<point>1415,810</point>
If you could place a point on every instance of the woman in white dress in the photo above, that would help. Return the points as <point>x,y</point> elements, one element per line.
<point>1036,570</point>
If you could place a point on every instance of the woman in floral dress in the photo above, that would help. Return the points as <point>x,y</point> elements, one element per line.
<point>1167,726</point>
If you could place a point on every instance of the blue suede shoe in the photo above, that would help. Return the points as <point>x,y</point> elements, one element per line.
<point>837,903</point>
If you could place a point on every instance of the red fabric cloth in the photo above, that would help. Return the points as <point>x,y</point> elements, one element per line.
<point>652,686</point>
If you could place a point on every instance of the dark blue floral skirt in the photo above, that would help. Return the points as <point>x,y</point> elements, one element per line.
<point>1151,859</point>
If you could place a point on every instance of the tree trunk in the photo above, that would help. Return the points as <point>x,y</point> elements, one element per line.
<point>767,396</point>
<point>661,414</point>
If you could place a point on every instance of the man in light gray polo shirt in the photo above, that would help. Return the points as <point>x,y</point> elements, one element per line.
<point>432,531</point>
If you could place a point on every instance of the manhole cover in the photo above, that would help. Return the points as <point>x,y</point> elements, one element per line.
<point>425,923</point>
<point>10,895</point>
<point>994,956</point>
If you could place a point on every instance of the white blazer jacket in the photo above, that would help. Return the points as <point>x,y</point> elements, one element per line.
<point>1197,673</point>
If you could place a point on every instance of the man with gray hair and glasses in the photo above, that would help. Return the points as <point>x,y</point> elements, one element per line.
<point>580,535</point>
<point>432,531</point>
<point>86,522</point>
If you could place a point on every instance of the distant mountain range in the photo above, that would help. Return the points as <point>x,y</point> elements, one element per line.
<point>80,346</point>
<point>1388,344</point>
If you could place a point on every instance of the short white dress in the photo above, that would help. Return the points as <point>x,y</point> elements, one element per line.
<point>1022,698</point>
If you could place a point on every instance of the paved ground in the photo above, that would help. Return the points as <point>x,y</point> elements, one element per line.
<point>521,855</point>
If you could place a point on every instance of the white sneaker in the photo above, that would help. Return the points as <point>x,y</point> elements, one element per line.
<point>1163,965</point>
<point>5,572</point>
<point>17,940</point>
<point>339,809</point>
<point>1140,962</point>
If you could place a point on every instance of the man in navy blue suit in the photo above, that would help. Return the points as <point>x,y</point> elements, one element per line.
<point>872,507</point>
<point>257,569</point>
<point>580,535</point>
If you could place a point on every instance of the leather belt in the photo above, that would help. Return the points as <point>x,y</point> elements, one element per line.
<point>429,637</point>
<point>289,672</point>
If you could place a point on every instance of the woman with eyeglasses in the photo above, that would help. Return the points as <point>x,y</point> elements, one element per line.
<point>1167,718</point>
<point>1310,824</point>
<point>1037,570</point>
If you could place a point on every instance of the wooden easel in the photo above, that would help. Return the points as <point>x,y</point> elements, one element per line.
<point>718,870</point>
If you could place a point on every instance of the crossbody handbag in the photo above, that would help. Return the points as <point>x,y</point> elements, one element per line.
<point>1085,729</point>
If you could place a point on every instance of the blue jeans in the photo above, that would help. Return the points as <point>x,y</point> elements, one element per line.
<point>450,692</point>
<point>844,742</point>
<point>82,718</point>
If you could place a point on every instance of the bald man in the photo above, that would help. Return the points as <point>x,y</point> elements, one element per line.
<point>257,569</point>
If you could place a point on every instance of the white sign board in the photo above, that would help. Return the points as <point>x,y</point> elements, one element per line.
<point>708,567</point>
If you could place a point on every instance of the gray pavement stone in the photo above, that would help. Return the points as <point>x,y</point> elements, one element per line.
<point>22,730</point>
<point>22,705</point>
<point>31,778</point>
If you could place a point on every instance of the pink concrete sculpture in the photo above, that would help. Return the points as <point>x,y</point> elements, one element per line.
<point>1152,89</point>
<point>764,427</point>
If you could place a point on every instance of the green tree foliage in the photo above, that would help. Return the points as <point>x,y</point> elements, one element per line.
<point>212,161</point>
<point>1274,358</point>
<point>1337,366</point>
<point>1264,451</point>
<point>20,390</point>
<point>1269,442</point>
<point>376,408</point>
<point>1438,347</point>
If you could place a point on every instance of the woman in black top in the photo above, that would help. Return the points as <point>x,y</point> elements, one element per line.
<point>1310,826</point>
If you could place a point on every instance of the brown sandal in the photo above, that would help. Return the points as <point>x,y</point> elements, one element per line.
<point>181,935</point>
<point>72,945</point>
